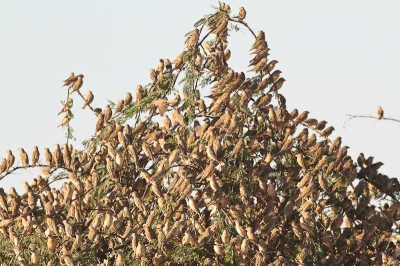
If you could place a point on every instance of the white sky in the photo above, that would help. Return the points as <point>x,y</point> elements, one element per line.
<point>338,57</point>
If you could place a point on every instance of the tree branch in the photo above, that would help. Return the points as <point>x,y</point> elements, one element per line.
<point>369,116</point>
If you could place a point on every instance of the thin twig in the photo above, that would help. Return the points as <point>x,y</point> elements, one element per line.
<point>369,116</point>
<point>244,24</point>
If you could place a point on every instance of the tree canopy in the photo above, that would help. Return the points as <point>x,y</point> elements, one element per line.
<point>203,166</point>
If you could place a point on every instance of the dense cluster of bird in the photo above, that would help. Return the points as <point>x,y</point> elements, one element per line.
<point>238,180</point>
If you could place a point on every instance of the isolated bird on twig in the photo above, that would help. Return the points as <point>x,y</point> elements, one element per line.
<point>379,112</point>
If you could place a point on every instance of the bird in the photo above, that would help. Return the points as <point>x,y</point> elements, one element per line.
<point>300,161</point>
<point>277,85</point>
<point>168,65</point>
<point>10,159</point>
<point>35,156</point>
<point>242,13</point>
<point>68,105</point>
<point>259,66</point>
<point>120,106</point>
<point>69,80</point>
<point>139,93</point>
<point>274,76</point>
<point>311,122</point>
<point>34,254</point>
<point>327,132</point>
<point>302,117</point>
<point>57,155</point>
<point>107,114</point>
<point>321,125</point>
<point>270,66</point>
<point>89,99</point>
<point>23,157</point>
<point>120,259</point>
<point>78,84</point>
<point>66,119</point>
<point>193,39</point>
<point>160,67</point>
<point>3,165</point>
<point>48,157</point>
<point>128,99</point>
<point>379,111</point>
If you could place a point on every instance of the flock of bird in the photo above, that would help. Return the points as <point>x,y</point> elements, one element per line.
<point>238,181</point>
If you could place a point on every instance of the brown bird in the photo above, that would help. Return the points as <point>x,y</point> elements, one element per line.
<point>34,254</point>
<point>167,64</point>
<point>120,259</point>
<point>300,161</point>
<point>294,114</point>
<point>259,39</point>
<point>202,107</point>
<point>10,159</point>
<point>161,104</point>
<point>270,66</point>
<point>48,157</point>
<point>107,114</point>
<point>178,61</point>
<point>153,75</point>
<point>128,99</point>
<point>321,125</point>
<point>35,155</point>
<point>193,39</point>
<point>66,156</point>
<point>97,111</point>
<point>89,99</point>
<point>57,156</point>
<point>274,76</point>
<point>78,84</point>
<point>327,132</point>
<point>160,67</point>
<point>3,166</point>
<point>310,122</point>
<point>69,80</point>
<point>259,66</point>
<point>23,157</point>
<point>66,119</point>
<point>120,105</point>
<point>302,117</point>
<point>242,13</point>
<point>277,85</point>
<point>139,93</point>
<point>68,105</point>
<point>379,112</point>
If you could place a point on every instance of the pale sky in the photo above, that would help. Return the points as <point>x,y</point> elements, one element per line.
<point>338,58</point>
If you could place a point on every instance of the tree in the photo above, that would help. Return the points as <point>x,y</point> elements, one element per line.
<point>232,180</point>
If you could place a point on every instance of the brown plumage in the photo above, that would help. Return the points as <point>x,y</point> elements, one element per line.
<point>302,117</point>
<point>193,39</point>
<point>242,13</point>
<point>277,85</point>
<point>68,105</point>
<point>89,99</point>
<point>78,84</point>
<point>321,125</point>
<point>69,80</point>
<point>23,157</point>
<point>327,132</point>
<point>270,66</point>
<point>379,113</point>
<point>259,66</point>
<point>128,99</point>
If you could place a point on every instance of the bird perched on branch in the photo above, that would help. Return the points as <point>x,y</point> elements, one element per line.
<point>89,99</point>
<point>242,13</point>
<point>67,106</point>
<point>379,112</point>
<point>78,83</point>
